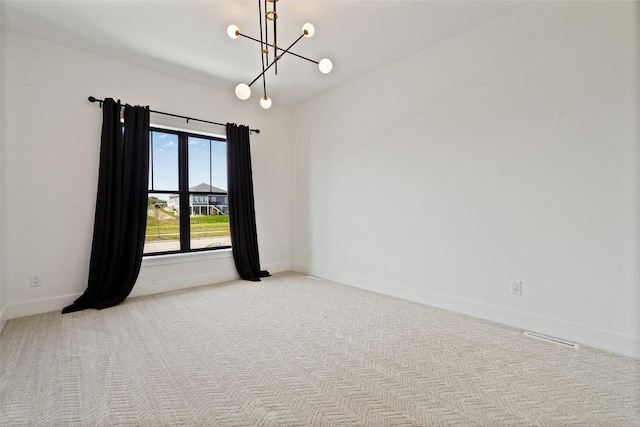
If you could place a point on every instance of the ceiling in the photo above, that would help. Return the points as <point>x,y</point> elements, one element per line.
<point>188,38</point>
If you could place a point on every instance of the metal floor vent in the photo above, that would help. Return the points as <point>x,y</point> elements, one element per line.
<point>319,279</point>
<point>551,339</point>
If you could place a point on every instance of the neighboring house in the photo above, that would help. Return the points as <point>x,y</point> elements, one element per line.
<point>202,204</point>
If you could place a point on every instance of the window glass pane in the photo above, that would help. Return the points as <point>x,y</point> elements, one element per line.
<point>209,222</point>
<point>219,164</point>
<point>207,214</point>
<point>198,163</point>
<point>163,223</point>
<point>164,167</point>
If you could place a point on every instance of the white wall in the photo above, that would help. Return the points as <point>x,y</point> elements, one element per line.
<point>509,152</point>
<point>50,170</point>
<point>2,297</point>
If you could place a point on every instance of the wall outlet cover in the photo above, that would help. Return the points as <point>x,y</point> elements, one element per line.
<point>516,287</point>
<point>34,280</point>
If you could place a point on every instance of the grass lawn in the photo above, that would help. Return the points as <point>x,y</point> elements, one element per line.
<point>164,225</point>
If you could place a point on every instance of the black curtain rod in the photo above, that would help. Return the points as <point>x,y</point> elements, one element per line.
<point>93,99</point>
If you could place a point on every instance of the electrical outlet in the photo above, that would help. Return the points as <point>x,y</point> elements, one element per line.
<point>516,287</point>
<point>35,281</point>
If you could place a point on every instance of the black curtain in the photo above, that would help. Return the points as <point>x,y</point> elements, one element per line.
<point>242,215</point>
<point>121,207</point>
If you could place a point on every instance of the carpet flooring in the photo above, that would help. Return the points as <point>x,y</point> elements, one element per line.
<point>294,351</point>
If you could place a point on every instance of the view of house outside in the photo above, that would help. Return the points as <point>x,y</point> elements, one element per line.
<point>208,213</point>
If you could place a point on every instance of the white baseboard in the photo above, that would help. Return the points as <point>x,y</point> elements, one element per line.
<point>278,267</point>
<point>3,318</point>
<point>46,305</point>
<point>592,337</point>
<point>222,275</point>
<point>191,281</point>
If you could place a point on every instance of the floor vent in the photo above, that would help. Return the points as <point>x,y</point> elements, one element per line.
<point>551,339</point>
<point>315,278</point>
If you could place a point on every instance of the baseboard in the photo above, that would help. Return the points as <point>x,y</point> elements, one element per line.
<point>585,335</point>
<point>3,318</point>
<point>46,305</point>
<point>278,267</point>
<point>185,282</point>
<point>160,286</point>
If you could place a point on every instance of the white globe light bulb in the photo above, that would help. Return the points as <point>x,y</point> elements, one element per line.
<point>233,31</point>
<point>265,102</point>
<point>243,91</point>
<point>308,30</point>
<point>325,66</point>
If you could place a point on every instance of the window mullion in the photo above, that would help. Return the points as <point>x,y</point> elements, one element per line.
<point>151,160</point>
<point>183,184</point>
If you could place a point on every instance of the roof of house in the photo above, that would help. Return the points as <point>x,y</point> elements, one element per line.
<point>206,188</point>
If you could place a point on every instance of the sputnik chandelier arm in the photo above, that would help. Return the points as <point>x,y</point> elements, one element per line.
<point>290,53</point>
<point>243,91</point>
<point>275,61</point>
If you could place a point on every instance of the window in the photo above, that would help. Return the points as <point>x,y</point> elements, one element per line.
<point>187,208</point>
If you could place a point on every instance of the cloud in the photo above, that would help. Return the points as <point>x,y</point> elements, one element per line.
<point>169,144</point>
<point>161,149</point>
<point>193,142</point>
<point>163,135</point>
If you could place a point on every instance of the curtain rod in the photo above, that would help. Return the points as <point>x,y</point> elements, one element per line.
<point>93,99</point>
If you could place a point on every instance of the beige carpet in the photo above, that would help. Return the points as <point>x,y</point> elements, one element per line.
<point>292,351</point>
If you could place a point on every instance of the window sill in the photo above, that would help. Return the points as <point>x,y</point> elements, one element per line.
<point>158,260</point>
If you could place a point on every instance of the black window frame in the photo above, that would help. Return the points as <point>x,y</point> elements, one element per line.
<point>183,187</point>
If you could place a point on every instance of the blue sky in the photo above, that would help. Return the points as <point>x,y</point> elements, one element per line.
<point>201,152</point>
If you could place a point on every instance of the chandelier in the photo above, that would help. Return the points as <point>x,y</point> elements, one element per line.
<point>270,51</point>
